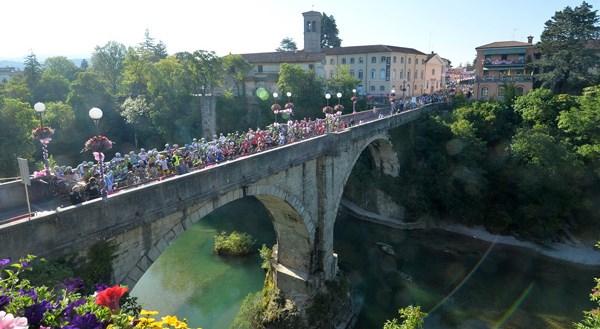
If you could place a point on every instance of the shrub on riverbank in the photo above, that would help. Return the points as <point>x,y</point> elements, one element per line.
<point>234,244</point>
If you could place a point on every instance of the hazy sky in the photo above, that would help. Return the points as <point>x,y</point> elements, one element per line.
<point>453,29</point>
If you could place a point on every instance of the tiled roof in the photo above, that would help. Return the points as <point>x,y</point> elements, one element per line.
<point>503,44</point>
<point>369,49</point>
<point>284,57</point>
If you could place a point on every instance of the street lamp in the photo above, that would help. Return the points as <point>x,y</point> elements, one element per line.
<point>339,95</point>
<point>275,107</point>
<point>403,88</point>
<point>44,137</point>
<point>289,94</point>
<point>327,97</point>
<point>354,100</point>
<point>96,114</point>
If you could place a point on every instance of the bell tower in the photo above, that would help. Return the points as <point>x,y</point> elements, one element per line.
<point>312,31</point>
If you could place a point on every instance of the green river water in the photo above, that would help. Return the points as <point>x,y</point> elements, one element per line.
<point>461,282</point>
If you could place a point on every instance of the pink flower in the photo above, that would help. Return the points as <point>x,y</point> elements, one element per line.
<point>8,321</point>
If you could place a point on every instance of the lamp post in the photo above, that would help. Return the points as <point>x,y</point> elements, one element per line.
<point>339,95</point>
<point>96,114</point>
<point>40,108</point>
<point>289,94</point>
<point>327,97</point>
<point>403,88</point>
<point>354,99</point>
<point>275,107</point>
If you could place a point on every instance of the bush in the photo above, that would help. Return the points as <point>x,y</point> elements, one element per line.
<point>235,244</point>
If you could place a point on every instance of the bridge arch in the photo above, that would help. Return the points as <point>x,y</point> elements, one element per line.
<point>293,225</point>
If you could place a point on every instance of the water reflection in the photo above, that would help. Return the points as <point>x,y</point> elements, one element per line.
<point>461,282</point>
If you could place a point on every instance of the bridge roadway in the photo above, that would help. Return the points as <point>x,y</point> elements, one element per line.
<point>300,184</point>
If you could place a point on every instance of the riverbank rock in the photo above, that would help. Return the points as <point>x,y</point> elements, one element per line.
<point>386,248</point>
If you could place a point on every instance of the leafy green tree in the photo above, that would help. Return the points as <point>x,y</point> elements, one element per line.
<point>17,121</point>
<point>151,50</point>
<point>204,70</point>
<point>135,73</point>
<point>136,112</point>
<point>52,87</point>
<point>32,70</point>
<point>413,319</point>
<point>108,61</point>
<point>342,82</point>
<point>548,185</point>
<point>538,108</point>
<point>237,67</point>
<point>62,66</point>
<point>566,58</point>
<point>582,123</point>
<point>306,89</point>
<point>17,88</point>
<point>287,44</point>
<point>329,32</point>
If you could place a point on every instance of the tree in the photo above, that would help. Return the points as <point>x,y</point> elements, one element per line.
<point>52,87</point>
<point>107,61</point>
<point>32,70</point>
<point>305,87</point>
<point>287,44</point>
<point>236,68</point>
<point>16,124</point>
<point>154,52</point>
<point>136,113</point>
<point>564,45</point>
<point>413,316</point>
<point>62,66</point>
<point>329,32</point>
<point>342,82</point>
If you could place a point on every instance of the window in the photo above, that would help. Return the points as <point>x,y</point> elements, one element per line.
<point>372,88</point>
<point>383,59</point>
<point>360,74</point>
<point>381,88</point>
<point>401,60</point>
<point>432,71</point>
<point>311,66</point>
<point>372,74</point>
<point>394,74</point>
<point>422,76</point>
<point>382,74</point>
<point>422,61</point>
<point>331,74</point>
<point>504,57</point>
<point>401,74</point>
<point>394,60</point>
<point>314,26</point>
<point>519,91</point>
<point>360,60</point>
<point>408,74</point>
<point>409,59</point>
<point>501,91</point>
<point>485,92</point>
<point>343,60</point>
<point>373,59</point>
<point>259,68</point>
<point>352,60</point>
<point>331,62</point>
<point>352,73</point>
<point>537,55</point>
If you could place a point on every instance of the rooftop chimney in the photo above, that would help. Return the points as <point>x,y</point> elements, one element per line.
<point>530,39</point>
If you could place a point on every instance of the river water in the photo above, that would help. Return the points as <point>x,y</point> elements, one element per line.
<point>461,282</point>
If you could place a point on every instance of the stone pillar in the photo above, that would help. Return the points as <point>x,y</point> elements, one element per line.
<point>208,105</point>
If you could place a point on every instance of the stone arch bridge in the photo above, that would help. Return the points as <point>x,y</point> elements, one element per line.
<point>300,184</point>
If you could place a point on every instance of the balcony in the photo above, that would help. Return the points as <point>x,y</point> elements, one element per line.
<point>505,78</point>
<point>504,62</point>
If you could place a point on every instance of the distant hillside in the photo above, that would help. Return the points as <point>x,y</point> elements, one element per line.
<point>19,64</point>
